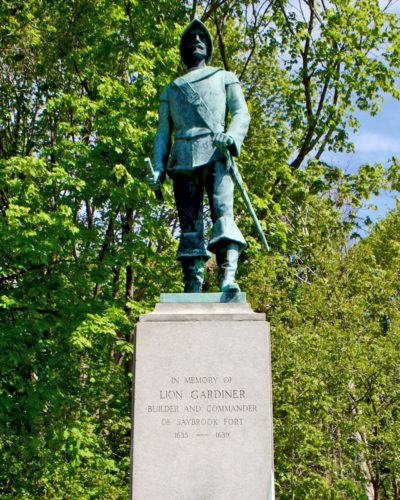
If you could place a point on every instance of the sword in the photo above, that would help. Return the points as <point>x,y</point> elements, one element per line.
<point>150,172</point>
<point>235,174</point>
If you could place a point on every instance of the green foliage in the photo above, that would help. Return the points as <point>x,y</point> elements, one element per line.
<point>336,387</point>
<point>79,242</point>
<point>85,248</point>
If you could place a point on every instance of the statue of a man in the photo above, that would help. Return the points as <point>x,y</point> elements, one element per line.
<point>194,108</point>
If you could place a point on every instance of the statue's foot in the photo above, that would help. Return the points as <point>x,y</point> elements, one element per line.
<point>227,259</point>
<point>193,272</point>
<point>230,287</point>
<point>192,288</point>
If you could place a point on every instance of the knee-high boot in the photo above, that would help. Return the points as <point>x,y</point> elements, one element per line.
<point>193,274</point>
<point>227,259</point>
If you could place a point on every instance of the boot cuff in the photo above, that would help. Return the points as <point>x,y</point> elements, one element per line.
<point>226,229</point>
<point>192,245</point>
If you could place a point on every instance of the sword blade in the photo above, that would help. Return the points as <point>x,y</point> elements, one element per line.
<point>235,174</point>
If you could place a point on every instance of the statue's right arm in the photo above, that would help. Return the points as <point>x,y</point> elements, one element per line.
<point>162,141</point>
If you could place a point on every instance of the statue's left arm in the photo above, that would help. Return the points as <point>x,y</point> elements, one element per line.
<point>240,118</point>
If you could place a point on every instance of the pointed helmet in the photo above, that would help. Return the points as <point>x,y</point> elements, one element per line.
<point>196,25</point>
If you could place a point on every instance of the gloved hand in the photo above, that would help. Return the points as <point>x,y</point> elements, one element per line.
<point>154,181</point>
<point>223,141</point>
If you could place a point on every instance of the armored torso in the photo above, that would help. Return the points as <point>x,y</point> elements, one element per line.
<point>220,91</point>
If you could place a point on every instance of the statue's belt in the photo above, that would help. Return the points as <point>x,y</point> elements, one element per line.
<point>194,132</point>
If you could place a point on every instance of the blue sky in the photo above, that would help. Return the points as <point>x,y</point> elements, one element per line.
<point>377,140</point>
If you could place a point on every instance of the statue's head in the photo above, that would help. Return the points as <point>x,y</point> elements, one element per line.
<point>196,44</point>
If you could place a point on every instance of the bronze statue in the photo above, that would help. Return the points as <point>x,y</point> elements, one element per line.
<point>194,107</point>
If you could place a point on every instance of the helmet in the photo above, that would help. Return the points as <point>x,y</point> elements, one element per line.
<point>195,25</point>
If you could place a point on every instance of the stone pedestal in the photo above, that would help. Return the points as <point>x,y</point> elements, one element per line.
<point>202,426</point>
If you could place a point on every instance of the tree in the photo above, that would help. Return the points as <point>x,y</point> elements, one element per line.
<point>336,361</point>
<point>85,248</point>
<point>78,85</point>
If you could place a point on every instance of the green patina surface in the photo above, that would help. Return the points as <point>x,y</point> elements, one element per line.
<point>203,297</point>
<point>193,120</point>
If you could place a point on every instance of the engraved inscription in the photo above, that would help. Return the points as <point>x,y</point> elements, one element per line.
<point>206,402</point>
<point>171,395</point>
<point>218,394</point>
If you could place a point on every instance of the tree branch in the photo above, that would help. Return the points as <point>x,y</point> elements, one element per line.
<point>214,7</point>
<point>221,43</point>
<point>194,8</point>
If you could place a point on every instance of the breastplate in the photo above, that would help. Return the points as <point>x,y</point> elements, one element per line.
<point>184,115</point>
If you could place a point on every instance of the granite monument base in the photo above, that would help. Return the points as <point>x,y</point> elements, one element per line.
<point>202,424</point>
